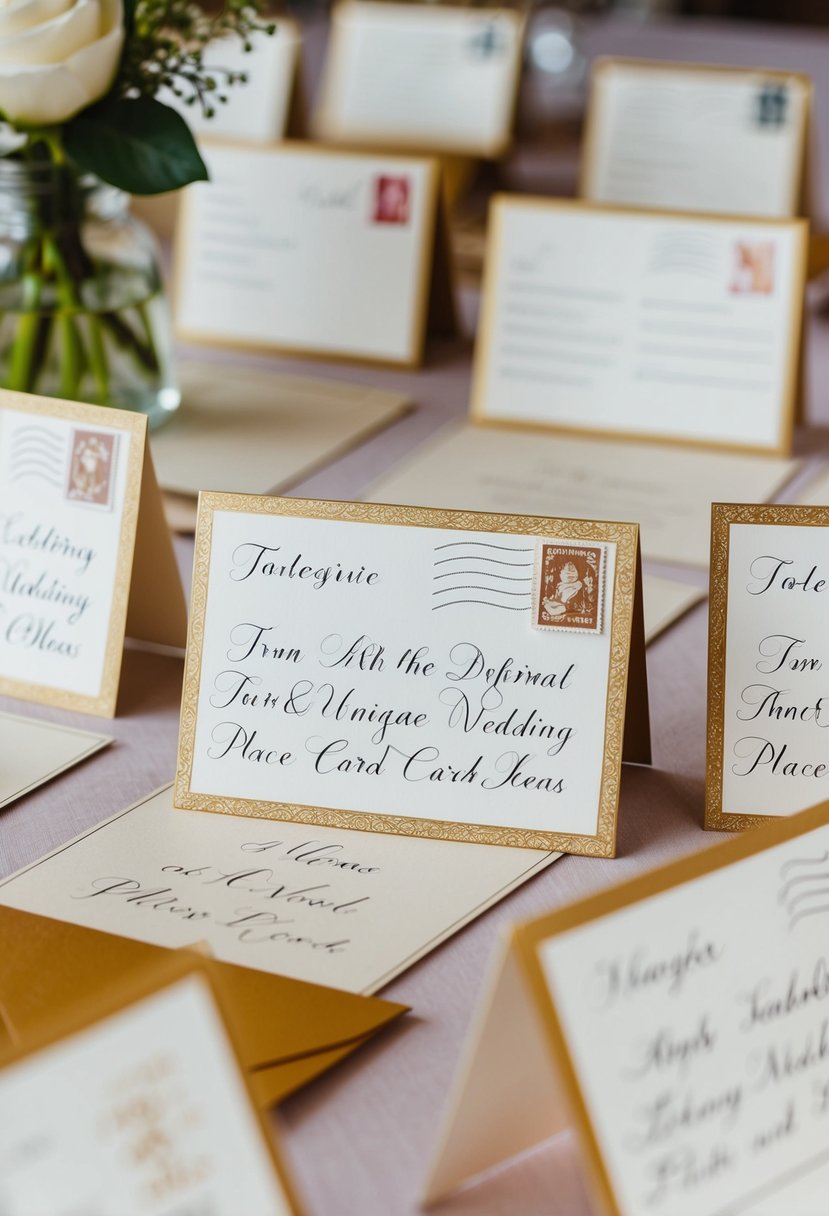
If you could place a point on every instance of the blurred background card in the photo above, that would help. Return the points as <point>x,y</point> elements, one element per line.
<point>253,431</point>
<point>434,78</point>
<point>697,138</point>
<point>666,327</point>
<point>137,1105</point>
<point>33,751</point>
<point>312,251</point>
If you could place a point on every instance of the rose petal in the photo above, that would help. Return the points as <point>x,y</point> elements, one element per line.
<point>43,96</point>
<point>56,40</point>
<point>24,14</point>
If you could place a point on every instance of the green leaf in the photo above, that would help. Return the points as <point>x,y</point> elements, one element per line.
<point>136,144</point>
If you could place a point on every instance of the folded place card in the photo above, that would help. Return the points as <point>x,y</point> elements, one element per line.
<point>85,555</point>
<point>697,138</point>
<point>667,489</point>
<point>442,674</point>
<point>432,78</point>
<point>314,251</point>
<point>767,703</point>
<point>287,1032</point>
<point>33,751</point>
<point>638,323</point>
<point>137,1105</point>
<point>323,905</point>
<point>678,1023</point>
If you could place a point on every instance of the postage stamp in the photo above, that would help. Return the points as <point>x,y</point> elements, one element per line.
<point>91,477</point>
<point>569,587</point>
<point>392,200</point>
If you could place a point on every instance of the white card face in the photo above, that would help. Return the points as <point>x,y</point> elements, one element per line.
<point>695,1021</point>
<point>258,110</point>
<point>729,141</point>
<point>308,251</point>
<point>431,78</point>
<point>325,905</point>
<point>144,1113</point>
<point>639,324</point>
<point>776,659</point>
<point>452,678</point>
<point>33,751</point>
<point>63,491</point>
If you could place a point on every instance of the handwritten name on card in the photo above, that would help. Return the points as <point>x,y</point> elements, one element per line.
<point>142,1111</point>
<point>768,694</point>
<point>450,682</point>
<point>695,1022</point>
<point>80,522</point>
<point>679,1023</point>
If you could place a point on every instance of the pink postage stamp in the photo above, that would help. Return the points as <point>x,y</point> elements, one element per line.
<point>569,587</point>
<point>92,468</point>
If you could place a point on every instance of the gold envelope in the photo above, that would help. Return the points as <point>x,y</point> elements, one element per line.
<point>287,1031</point>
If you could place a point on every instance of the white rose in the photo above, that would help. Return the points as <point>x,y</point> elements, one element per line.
<point>56,57</point>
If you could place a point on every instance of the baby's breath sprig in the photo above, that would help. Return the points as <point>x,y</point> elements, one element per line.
<point>166,43</point>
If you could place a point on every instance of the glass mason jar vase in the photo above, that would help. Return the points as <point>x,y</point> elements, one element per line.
<point>83,313</point>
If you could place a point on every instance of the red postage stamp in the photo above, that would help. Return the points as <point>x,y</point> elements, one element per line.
<point>92,468</point>
<point>391,200</point>
<point>569,587</point>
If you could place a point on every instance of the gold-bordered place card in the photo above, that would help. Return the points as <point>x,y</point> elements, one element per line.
<point>768,707</point>
<point>85,554</point>
<point>678,1024</point>
<point>641,324</point>
<point>437,79</point>
<point>445,674</point>
<point>698,138</point>
<point>138,1104</point>
<point>314,251</point>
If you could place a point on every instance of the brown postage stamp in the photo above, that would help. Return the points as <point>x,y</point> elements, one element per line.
<point>569,587</point>
<point>92,468</point>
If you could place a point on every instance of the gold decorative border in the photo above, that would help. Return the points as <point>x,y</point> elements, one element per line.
<point>170,968</point>
<point>135,427</point>
<point>528,938</point>
<point>500,203</point>
<point>723,516</point>
<point>424,271</point>
<point>326,119</point>
<point>624,536</point>
<point>653,67</point>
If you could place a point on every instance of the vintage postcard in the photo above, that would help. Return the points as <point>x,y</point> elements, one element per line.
<point>431,673</point>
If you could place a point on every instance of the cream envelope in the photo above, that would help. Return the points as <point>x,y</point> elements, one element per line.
<point>323,905</point>
<point>254,431</point>
<point>677,1022</point>
<point>85,554</point>
<point>442,674</point>
<point>288,1032</point>
<point>314,251</point>
<point>432,78</point>
<point>33,751</point>
<point>655,325</point>
<point>667,489</point>
<point>767,708</point>
<point>697,138</point>
<point>137,1100</point>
